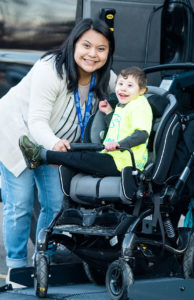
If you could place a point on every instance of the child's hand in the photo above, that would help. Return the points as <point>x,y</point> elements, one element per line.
<point>105,107</point>
<point>111,146</point>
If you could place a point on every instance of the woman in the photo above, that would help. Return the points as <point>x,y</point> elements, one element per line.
<point>51,105</point>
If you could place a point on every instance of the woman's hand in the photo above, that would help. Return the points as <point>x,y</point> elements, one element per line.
<point>62,146</point>
<point>111,146</point>
<point>105,107</point>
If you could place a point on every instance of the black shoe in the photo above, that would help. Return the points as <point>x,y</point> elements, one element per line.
<point>31,152</point>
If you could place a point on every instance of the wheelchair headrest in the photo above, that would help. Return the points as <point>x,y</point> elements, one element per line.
<point>96,127</point>
<point>158,104</point>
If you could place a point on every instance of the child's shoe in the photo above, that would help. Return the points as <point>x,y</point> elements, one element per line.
<point>31,152</point>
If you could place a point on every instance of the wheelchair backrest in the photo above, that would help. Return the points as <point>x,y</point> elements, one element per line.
<point>165,132</point>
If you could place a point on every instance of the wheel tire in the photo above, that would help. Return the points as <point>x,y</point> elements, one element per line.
<point>34,218</point>
<point>188,260</point>
<point>119,277</point>
<point>94,275</point>
<point>41,276</point>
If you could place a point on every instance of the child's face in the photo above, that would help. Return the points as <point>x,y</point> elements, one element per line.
<point>127,89</point>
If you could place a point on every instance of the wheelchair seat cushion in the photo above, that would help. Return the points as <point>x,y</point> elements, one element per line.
<point>90,190</point>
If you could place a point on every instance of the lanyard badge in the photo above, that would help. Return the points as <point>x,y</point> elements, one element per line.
<point>84,121</point>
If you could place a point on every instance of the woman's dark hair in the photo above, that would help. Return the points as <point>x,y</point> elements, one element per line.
<point>64,56</point>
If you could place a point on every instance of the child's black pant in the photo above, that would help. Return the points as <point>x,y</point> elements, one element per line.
<point>87,162</point>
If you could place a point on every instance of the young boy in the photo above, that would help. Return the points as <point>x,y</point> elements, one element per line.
<point>130,127</point>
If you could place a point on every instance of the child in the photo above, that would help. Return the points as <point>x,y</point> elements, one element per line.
<point>130,127</point>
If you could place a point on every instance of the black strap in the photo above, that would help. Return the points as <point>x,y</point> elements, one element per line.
<point>5,288</point>
<point>98,187</point>
<point>137,207</point>
<point>187,131</point>
<point>157,216</point>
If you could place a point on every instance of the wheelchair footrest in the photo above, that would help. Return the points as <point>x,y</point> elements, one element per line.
<point>100,230</point>
<point>94,230</point>
<point>72,273</point>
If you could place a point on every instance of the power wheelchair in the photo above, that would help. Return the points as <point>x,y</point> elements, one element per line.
<point>124,228</point>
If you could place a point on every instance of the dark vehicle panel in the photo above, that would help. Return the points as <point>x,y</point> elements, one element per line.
<point>14,65</point>
<point>37,24</point>
<point>149,32</point>
<point>141,36</point>
<point>130,29</point>
<point>28,29</point>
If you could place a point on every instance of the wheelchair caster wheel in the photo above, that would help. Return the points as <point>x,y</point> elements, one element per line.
<point>41,276</point>
<point>119,277</point>
<point>188,260</point>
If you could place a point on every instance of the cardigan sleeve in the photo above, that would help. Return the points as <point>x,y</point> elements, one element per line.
<point>45,87</point>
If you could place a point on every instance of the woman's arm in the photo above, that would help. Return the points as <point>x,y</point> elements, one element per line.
<point>45,88</point>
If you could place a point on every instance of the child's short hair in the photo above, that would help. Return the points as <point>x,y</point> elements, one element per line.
<point>137,73</point>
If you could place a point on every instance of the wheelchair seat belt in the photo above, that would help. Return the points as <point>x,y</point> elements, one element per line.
<point>157,216</point>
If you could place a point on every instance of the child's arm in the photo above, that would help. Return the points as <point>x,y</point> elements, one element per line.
<point>137,138</point>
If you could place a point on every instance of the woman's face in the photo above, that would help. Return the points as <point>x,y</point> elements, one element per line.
<point>91,51</point>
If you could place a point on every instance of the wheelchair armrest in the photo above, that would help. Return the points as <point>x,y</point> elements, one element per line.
<point>86,146</point>
<point>99,147</point>
<point>131,153</point>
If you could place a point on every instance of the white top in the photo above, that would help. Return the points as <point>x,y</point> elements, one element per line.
<point>34,107</point>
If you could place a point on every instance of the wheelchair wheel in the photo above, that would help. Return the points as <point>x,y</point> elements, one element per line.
<point>41,276</point>
<point>119,277</point>
<point>188,260</point>
<point>94,275</point>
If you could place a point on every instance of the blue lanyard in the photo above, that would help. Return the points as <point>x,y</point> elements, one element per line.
<point>84,121</point>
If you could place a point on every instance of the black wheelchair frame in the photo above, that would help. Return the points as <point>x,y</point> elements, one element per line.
<point>119,242</point>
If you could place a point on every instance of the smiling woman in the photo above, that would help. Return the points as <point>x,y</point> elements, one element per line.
<point>46,106</point>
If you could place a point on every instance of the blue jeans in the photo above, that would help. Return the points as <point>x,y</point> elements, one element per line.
<point>18,197</point>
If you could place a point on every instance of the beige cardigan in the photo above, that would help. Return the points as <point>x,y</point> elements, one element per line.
<point>33,107</point>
